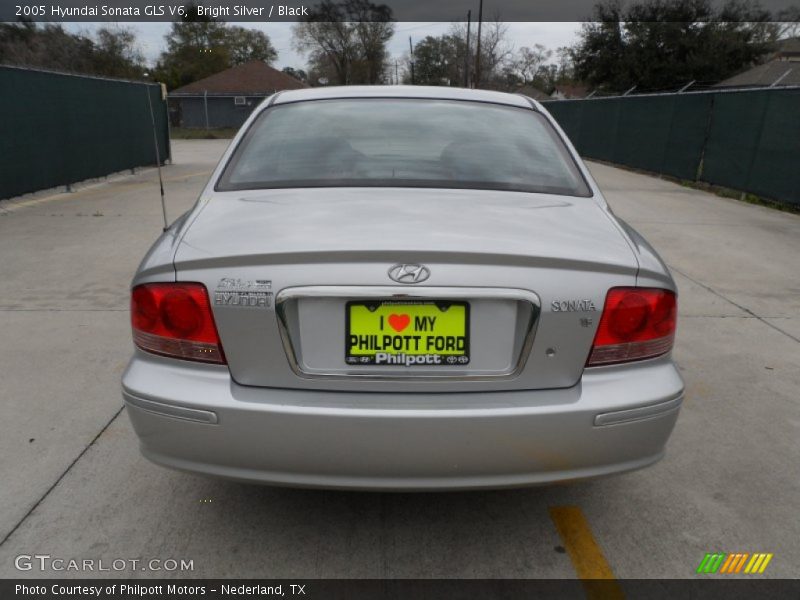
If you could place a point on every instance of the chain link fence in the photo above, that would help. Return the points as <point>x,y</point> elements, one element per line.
<point>58,129</point>
<point>745,140</point>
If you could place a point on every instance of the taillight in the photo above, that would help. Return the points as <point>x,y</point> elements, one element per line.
<point>637,323</point>
<point>175,319</point>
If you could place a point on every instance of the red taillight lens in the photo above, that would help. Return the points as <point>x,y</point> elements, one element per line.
<point>637,323</point>
<point>175,319</point>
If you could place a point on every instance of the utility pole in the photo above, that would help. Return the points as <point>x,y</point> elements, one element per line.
<point>411,50</point>
<point>396,73</point>
<point>478,54</point>
<point>205,106</point>
<point>466,55</point>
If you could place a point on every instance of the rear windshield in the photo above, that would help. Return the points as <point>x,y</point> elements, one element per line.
<point>402,143</point>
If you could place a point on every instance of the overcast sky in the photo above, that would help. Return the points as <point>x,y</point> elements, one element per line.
<point>550,35</point>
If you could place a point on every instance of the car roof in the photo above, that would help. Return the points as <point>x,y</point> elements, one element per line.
<point>403,91</point>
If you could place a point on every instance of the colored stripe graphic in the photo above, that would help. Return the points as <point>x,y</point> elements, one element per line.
<point>711,562</point>
<point>730,563</point>
<point>703,563</point>
<point>765,563</point>
<point>741,562</point>
<point>734,562</point>
<point>758,563</point>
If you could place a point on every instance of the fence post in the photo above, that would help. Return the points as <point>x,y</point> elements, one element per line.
<point>613,150</point>
<point>669,134</point>
<point>205,106</point>
<point>579,126</point>
<point>168,126</point>
<point>709,122</point>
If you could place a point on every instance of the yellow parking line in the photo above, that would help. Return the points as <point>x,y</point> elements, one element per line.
<point>93,189</point>
<point>187,175</point>
<point>58,196</point>
<point>587,558</point>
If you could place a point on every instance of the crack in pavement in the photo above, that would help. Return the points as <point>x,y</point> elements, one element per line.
<point>737,305</point>
<point>60,477</point>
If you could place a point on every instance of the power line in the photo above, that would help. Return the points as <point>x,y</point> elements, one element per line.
<point>478,53</point>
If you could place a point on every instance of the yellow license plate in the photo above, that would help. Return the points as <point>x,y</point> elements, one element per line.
<point>406,334</point>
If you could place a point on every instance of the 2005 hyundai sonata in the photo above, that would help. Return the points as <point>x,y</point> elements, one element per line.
<point>402,288</point>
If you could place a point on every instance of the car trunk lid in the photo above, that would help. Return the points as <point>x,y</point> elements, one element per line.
<point>320,248</point>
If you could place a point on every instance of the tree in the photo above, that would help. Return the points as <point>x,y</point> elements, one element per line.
<point>195,50</point>
<point>298,74</point>
<point>199,46</point>
<point>495,53</point>
<point>346,41</point>
<point>531,66</point>
<point>439,61</point>
<point>245,45</point>
<point>565,66</point>
<point>551,74</point>
<point>664,44</point>
<point>112,53</point>
<point>788,22</point>
<point>117,54</point>
<point>529,62</point>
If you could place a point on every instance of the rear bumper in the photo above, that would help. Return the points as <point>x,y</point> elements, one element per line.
<point>195,418</point>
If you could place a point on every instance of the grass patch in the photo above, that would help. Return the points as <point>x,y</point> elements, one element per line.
<point>183,133</point>
<point>740,196</point>
<point>717,190</point>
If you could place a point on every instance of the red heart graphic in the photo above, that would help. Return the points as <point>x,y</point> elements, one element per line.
<point>399,322</point>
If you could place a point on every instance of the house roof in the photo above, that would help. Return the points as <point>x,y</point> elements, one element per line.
<point>766,74</point>
<point>254,77</point>
<point>789,46</point>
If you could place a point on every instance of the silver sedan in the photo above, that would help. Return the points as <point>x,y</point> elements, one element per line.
<point>402,288</point>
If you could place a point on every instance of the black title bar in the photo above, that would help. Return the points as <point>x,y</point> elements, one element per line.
<point>63,11</point>
<point>397,589</point>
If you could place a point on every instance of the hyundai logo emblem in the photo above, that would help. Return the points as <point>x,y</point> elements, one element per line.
<point>409,273</point>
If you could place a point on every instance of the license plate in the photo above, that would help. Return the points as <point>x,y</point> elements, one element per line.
<point>407,334</point>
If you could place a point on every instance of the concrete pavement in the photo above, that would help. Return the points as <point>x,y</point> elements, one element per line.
<point>74,485</point>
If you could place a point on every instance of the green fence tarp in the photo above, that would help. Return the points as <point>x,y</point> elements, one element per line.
<point>761,153</point>
<point>688,130</point>
<point>58,129</point>
<point>775,172</point>
<point>643,131</point>
<point>745,140</point>
<point>733,138</point>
